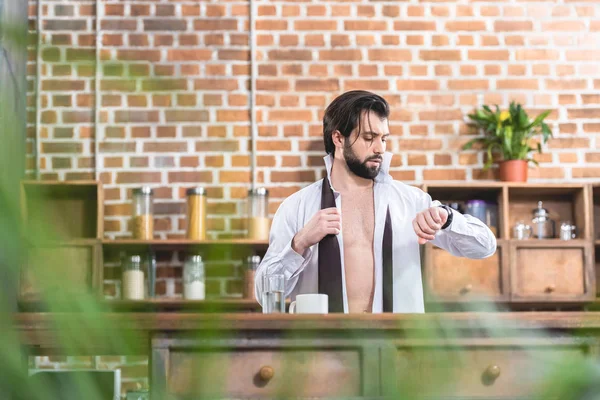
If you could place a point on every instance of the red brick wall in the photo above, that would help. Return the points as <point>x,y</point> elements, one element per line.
<point>174,92</point>
<point>174,95</point>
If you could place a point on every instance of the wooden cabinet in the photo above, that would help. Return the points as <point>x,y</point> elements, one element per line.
<point>533,270</point>
<point>196,368</point>
<point>473,364</point>
<point>63,233</point>
<point>482,369</point>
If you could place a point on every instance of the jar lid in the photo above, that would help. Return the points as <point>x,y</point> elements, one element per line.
<point>476,202</point>
<point>143,190</point>
<point>253,259</point>
<point>195,258</point>
<point>135,259</point>
<point>540,211</point>
<point>258,192</point>
<point>196,191</point>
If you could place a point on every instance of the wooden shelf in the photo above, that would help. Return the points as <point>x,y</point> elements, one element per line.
<point>153,305</point>
<point>549,242</point>
<point>185,242</point>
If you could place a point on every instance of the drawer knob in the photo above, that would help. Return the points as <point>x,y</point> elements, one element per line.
<point>550,288</point>
<point>466,289</point>
<point>266,373</point>
<point>492,373</point>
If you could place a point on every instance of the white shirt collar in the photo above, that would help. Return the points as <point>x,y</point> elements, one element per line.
<point>384,171</point>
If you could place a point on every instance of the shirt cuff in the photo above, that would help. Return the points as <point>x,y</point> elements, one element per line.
<point>293,262</point>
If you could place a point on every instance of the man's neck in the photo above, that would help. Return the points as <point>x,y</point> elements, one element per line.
<point>342,179</point>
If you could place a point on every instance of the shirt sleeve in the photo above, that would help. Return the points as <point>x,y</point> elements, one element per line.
<point>466,236</point>
<point>281,257</point>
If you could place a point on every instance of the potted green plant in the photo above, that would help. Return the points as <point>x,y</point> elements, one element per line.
<point>510,133</point>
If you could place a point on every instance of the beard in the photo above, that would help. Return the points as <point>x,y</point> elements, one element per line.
<point>360,168</point>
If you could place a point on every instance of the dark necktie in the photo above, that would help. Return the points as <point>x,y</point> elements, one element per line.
<point>330,264</point>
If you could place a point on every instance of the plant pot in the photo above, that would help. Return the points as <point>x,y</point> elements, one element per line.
<point>513,171</point>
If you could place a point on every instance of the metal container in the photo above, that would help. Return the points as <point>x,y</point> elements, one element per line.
<point>542,226</point>
<point>196,213</point>
<point>568,231</point>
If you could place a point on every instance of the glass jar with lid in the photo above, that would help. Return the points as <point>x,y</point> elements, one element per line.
<point>542,226</point>
<point>196,213</point>
<point>133,282</point>
<point>194,278</point>
<point>143,213</point>
<point>252,263</point>
<point>259,223</point>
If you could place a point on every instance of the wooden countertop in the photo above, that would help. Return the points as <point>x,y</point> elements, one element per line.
<point>129,333</point>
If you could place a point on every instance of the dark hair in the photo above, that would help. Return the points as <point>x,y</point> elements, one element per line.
<point>345,113</point>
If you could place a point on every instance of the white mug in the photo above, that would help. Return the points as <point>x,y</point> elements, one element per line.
<point>310,304</point>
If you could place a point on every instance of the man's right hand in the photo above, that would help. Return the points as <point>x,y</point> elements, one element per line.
<point>325,222</point>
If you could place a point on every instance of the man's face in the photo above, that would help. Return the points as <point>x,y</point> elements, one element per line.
<point>363,150</point>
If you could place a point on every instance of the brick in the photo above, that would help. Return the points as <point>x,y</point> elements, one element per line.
<point>165,147</point>
<point>530,84</point>
<point>64,25</point>
<point>293,176</point>
<point>535,54</point>
<point>316,85</point>
<point>414,25</point>
<point>441,115</point>
<point>61,147</point>
<point>440,55</point>
<point>215,84</point>
<point>138,177</point>
<point>455,26</point>
<point>290,115</point>
<point>117,147</point>
<point>511,26</point>
<point>118,25</point>
<point>218,146</point>
<point>234,176</point>
<point>62,85</point>
<point>583,113</point>
<point>566,84</point>
<point>138,55</point>
<point>315,25</point>
<point>340,55</point>
<point>180,115</point>
<point>367,84</point>
<point>563,26</point>
<point>189,54</point>
<point>568,143</point>
<point>419,144</point>
<point>272,84</point>
<point>365,25</point>
<point>417,85</point>
<point>591,128</point>
<point>78,117</point>
<point>287,55</point>
<point>136,116</point>
<point>404,175</point>
<point>233,115</point>
<point>501,55</point>
<point>444,174</point>
<point>164,24</point>
<point>479,84</point>
<point>164,84</point>
<point>273,145</point>
<point>271,25</point>
<point>389,55</point>
<point>190,176</point>
<point>585,172</point>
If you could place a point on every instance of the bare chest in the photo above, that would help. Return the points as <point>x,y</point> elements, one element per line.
<point>358,217</point>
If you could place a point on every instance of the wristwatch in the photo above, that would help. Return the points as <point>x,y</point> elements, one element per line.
<point>450,215</point>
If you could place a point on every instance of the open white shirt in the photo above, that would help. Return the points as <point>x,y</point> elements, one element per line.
<point>465,237</point>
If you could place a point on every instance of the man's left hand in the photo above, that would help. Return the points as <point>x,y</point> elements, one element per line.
<point>428,222</point>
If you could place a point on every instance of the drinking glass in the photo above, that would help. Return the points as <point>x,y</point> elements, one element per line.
<point>273,294</point>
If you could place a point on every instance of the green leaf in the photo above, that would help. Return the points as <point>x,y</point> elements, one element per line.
<point>539,119</point>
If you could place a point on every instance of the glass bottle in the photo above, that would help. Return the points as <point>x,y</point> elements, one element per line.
<point>193,278</point>
<point>259,224</point>
<point>252,264</point>
<point>133,280</point>
<point>196,213</point>
<point>143,213</point>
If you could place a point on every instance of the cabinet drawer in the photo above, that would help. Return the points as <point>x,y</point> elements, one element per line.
<point>547,274</point>
<point>458,278</point>
<point>265,373</point>
<point>478,371</point>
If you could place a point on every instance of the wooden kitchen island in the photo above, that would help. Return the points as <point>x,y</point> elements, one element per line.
<point>449,355</point>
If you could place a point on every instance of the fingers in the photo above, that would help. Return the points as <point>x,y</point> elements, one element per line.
<point>423,237</point>
<point>423,224</point>
<point>432,218</point>
<point>331,210</point>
